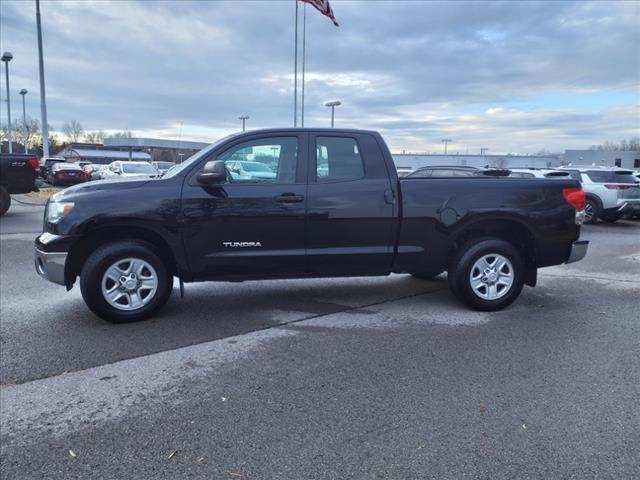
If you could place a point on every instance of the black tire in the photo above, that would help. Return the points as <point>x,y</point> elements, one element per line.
<point>105,256</point>
<point>425,275</point>
<point>5,200</point>
<point>463,263</point>
<point>591,204</point>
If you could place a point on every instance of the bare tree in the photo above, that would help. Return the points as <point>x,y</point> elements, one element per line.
<point>27,132</point>
<point>95,137</point>
<point>624,145</point>
<point>123,134</point>
<point>73,130</point>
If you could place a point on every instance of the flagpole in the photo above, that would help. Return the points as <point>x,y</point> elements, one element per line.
<point>304,56</point>
<point>295,74</point>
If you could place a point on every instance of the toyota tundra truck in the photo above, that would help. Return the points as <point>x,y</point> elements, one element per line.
<point>332,207</point>
<point>18,172</point>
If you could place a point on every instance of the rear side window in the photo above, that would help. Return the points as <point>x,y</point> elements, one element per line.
<point>611,177</point>
<point>338,159</point>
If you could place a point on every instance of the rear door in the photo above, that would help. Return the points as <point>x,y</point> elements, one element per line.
<point>250,226</point>
<point>350,206</point>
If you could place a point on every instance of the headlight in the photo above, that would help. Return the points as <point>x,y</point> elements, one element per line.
<point>55,211</point>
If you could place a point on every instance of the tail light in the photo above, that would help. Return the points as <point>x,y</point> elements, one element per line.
<point>33,163</point>
<point>574,197</point>
<point>618,186</point>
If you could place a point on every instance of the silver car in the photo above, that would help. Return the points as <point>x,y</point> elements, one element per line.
<point>612,192</point>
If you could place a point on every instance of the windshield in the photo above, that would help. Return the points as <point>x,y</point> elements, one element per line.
<point>255,167</point>
<point>138,168</point>
<point>181,167</point>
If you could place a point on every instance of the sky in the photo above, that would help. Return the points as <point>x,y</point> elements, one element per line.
<point>514,77</point>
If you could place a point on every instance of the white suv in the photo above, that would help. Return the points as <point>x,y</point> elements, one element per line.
<point>611,192</point>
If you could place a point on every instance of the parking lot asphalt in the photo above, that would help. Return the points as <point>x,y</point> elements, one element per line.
<point>332,378</point>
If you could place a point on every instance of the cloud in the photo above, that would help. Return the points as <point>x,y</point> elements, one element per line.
<point>498,74</point>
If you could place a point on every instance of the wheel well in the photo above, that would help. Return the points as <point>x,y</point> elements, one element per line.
<point>510,231</point>
<point>596,199</point>
<point>102,236</point>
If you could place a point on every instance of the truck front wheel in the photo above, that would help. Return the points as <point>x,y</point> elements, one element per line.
<point>125,282</point>
<point>487,274</point>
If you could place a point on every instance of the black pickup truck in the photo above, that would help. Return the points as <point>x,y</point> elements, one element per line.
<point>18,172</point>
<point>296,203</point>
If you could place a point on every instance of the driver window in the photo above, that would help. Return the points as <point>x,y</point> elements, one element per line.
<point>267,160</point>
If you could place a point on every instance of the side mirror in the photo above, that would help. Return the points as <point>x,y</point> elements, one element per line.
<point>213,172</point>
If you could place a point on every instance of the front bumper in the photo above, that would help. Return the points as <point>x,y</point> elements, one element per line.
<point>50,265</point>
<point>578,251</point>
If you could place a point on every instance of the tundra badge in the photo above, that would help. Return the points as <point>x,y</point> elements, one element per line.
<point>241,244</point>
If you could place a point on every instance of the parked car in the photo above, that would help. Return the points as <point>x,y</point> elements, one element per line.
<point>130,169</point>
<point>18,174</point>
<point>45,165</point>
<point>126,240</point>
<point>444,171</point>
<point>163,167</point>
<point>538,173</point>
<point>611,192</point>
<point>449,171</point>
<point>250,170</point>
<point>66,173</point>
<point>98,171</point>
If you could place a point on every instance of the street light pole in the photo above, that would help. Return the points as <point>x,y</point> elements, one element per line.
<point>6,58</point>
<point>446,142</point>
<point>333,104</point>
<point>23,92</point>
<point>43,100</point>
<point>243,118</point>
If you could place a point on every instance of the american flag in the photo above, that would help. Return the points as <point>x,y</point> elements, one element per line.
<point>324,7</point>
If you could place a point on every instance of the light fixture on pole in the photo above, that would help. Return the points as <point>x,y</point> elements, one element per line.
<point>333,104</point>
<point>244,118</point>
<point>6,58</point>
<point>446,142</point>
<point>23,92</point>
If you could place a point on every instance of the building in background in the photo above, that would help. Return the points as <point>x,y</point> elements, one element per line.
<point>413,161</point>
<point>96,153</point>
<point>159,150</point>
<point>608,158</point>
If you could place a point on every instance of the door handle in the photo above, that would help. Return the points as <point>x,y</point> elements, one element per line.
<point>289,197</point>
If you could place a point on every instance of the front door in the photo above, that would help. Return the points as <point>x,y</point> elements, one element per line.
<point>254,223</point>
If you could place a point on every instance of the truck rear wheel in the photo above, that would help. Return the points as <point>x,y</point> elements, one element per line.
<point>5,200</point>
<point>125,282</point>
<point>487,274</point>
